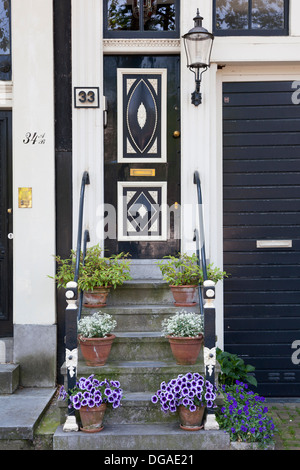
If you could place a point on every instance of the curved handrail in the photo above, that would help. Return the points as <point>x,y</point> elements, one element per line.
<point>86,239</point>
<point>201,238</point>
<point>85,180</point>
<point>70,318</point>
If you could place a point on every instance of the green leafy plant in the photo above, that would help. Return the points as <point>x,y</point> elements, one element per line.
<point>95,270</point>
<point>244,416</point>
<point>97,325</point>
<point>234,368</point>
<point>184,270</point>
<point>183,324</point>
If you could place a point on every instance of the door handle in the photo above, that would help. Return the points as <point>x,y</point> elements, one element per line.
<point>105,111</point>
<point>274,243</point>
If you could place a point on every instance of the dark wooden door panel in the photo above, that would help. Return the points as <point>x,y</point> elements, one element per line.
<point>261,202</point>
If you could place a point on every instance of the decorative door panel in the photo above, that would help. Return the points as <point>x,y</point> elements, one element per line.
<point>142,115</point>
<point>142,211</point>
<point>142,158</point>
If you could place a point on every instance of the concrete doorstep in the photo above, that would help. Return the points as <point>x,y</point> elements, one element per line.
<point>20,413</point>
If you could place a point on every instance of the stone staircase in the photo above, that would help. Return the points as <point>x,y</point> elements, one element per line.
<point>140,359</point>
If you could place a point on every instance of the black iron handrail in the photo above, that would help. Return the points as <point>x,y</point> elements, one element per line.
<point>85,180</point>
<point>86,239</point>
<point>71,316</point>
<point>200,240</point>
<point>208,310</point>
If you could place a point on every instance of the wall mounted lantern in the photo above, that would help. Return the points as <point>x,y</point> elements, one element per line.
<point>198,44</point>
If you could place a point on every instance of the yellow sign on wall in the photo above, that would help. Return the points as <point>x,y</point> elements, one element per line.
<point>25,197</point>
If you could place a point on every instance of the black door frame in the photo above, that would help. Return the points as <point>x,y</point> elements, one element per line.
<point>6,323</point>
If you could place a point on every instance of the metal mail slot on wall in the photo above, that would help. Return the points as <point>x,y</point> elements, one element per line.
<point>274,243</point>
<point>142,172</point>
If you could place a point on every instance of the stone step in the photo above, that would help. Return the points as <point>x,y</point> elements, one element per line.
<point>20,413</point>
<point>142,292</point>
<point>9,377</point>
<point>141,346</point>
<point>147,317</point>
<point>163,436</point>
<point>136,408</point>
<point>138,376</point>
<point>145,269</point>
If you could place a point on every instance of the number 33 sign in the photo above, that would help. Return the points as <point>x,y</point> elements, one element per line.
<point>86,97</point>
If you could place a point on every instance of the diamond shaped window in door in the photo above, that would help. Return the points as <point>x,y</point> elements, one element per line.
<point>142,211</point>
<point>142,115</point>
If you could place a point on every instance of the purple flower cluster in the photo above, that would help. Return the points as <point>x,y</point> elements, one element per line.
<point>189,390</point>
<point>92,391</point>
<point>244,415</point>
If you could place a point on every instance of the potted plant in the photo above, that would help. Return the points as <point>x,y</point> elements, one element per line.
<point>97,274</point>
<point>95,337</point>
<point>190,394</point>
<point>184,331</point>
<point>244,416</point>
<point>91,397</point>
<point>183,275</point>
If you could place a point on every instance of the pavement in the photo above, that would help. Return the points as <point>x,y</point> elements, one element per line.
<point>286,416</point>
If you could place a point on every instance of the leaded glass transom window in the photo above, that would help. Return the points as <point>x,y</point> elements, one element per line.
<point>141,18</point>
<point>251,17</point>
<point>5,53</point>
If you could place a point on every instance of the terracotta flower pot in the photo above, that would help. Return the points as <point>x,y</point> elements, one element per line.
<point>191,420</point>
<point>92,418</point>
<point>96,350</point>
<point>184,296</point>
<point>185,349</point>
<point>96,298</point>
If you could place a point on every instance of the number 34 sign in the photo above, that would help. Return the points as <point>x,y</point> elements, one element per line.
<point>86,97</point>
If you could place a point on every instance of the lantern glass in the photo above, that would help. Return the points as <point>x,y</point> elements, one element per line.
<point>198,49</point>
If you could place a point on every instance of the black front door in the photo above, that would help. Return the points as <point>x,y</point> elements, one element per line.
<point>262,231</point>
<point>6,225</point>
<point>142,159</point>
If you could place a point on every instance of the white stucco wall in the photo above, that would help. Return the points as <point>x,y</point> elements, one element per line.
<point>33,164</point>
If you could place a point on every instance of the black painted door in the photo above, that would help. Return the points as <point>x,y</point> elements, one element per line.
<point>6,225</point>
<point>142,159</point>
<point>262,231</point>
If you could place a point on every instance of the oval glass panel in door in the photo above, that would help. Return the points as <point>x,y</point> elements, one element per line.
<point>141,116</point>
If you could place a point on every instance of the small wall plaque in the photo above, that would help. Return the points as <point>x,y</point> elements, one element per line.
<point>25,197</point>
<point>86,97</point>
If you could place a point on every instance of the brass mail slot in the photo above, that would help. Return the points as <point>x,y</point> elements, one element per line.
<point>142,171</point>
<point>274,243</point>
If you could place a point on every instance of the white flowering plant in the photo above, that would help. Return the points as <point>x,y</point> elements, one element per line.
<point>183,324</point>
<point>97,325</point>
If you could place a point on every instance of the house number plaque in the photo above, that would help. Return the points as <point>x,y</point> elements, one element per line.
<point>86,97</point>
